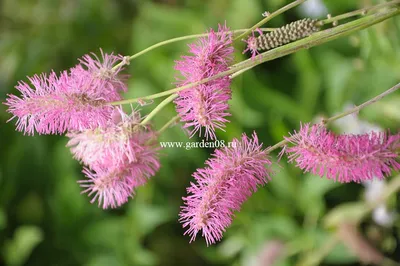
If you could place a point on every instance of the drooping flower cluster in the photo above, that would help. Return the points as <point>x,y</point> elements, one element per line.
<point>206,105</point>
<point>119,157</point>
<point>75,100</point>
<point>290,32</point>
<point>229,178</point>
<point>117,140</point>
<point>345,158</point>
<point>115,148</point>
<point>252,43</point>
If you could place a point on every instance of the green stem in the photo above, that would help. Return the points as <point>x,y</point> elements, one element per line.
<point>336,117</point>
<point>391,188</point>
<point>139,99</point>
<point>362,11</point>
<point>178,39</point>
<point>168,124</point>
<point>158,108</point>
<point>317,257</point>
<point>234,75</point>
<point>320,37</point>
<point>306,43</point>
<point>271,16</point>
<point>361,106</point>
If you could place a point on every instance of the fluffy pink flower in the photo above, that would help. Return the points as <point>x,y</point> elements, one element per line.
<point>206,105</point>
<point>346,158</point>
<point>229,178</point>
<point>119,156</point>
<point>102,75</point>
<point>55,105</point>
<point>252,44</point>
<point>121,140</point>
<point>76,100</point>
<point>112,186</point>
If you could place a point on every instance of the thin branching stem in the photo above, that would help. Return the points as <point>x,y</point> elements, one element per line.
<point>177,39</point>
<point>270,16</point>
<point>361,106</point>
<point>171,122</point>
<point>306,43</point>
<point>158,108</point>
<point>351,111</point>
<point>362,11</point>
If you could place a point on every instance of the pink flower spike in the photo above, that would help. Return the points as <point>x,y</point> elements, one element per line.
<point>252,44</point>
<point>105,78</point>
<point>345,158</point>
<point>55,105</point>
<point>206,106</point>
<point>112,185</point>
<point>230,177</point>
<point>121,140</point>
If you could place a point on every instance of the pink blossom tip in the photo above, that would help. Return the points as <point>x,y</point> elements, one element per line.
<point>76,100</point>
<point>206,105</point>
<point>345,158</point>
<point>229,178</point>
<point>57,104</point>
<point>119,157</point>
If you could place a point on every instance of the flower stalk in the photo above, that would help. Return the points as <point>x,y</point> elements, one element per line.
<point>306,43</point>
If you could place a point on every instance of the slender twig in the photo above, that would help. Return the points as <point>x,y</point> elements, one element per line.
<point>390,188</point>
<point>361,106</point>
<point>271,16</point>
<point>362,11</point>
<point>158,108</point>
<point>172,121</point>
<point>320,37</point>
<point>336,117</point>
<point>234,75</point>
<point>306,43</point>
<point>177,39</point>
<point>316,257</point>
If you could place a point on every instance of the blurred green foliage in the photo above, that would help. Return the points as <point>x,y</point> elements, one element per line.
<point>44,220</point>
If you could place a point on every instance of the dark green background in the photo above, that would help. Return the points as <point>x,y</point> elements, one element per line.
<point>44,220</point>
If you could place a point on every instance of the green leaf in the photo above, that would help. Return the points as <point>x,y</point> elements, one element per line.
<point>147,217</point>
<point>340,255</point>
<point>231,246</point>
<point>242,13</point>
<point>310,81</point>
<point>107,233</point>
<point>338,71</point>
<point>312,191</point>
<point>143,257</point>
<point>3,219</point>
<point>315,242</point>
<point>348,212</point>
<point>272,226</point>
<point>242,111</point>
<point>25,239</point>
<point>264,98</point>
<point>103,260</point>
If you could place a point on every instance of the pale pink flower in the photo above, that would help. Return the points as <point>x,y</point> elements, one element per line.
<point>119,157</point>
<point>76,100</point>
<point>229,178</point>
<point>252,44</point>
<point>104,74</point>
<point>345,158</point>
<point>206,105</point>
<point>55,105</point>
<point>121,140</point>
<point>112,186</point>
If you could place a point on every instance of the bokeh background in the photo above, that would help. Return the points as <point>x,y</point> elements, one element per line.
<point>44,220</point>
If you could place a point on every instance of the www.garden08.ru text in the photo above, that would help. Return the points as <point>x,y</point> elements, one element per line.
<point>196,144</point>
